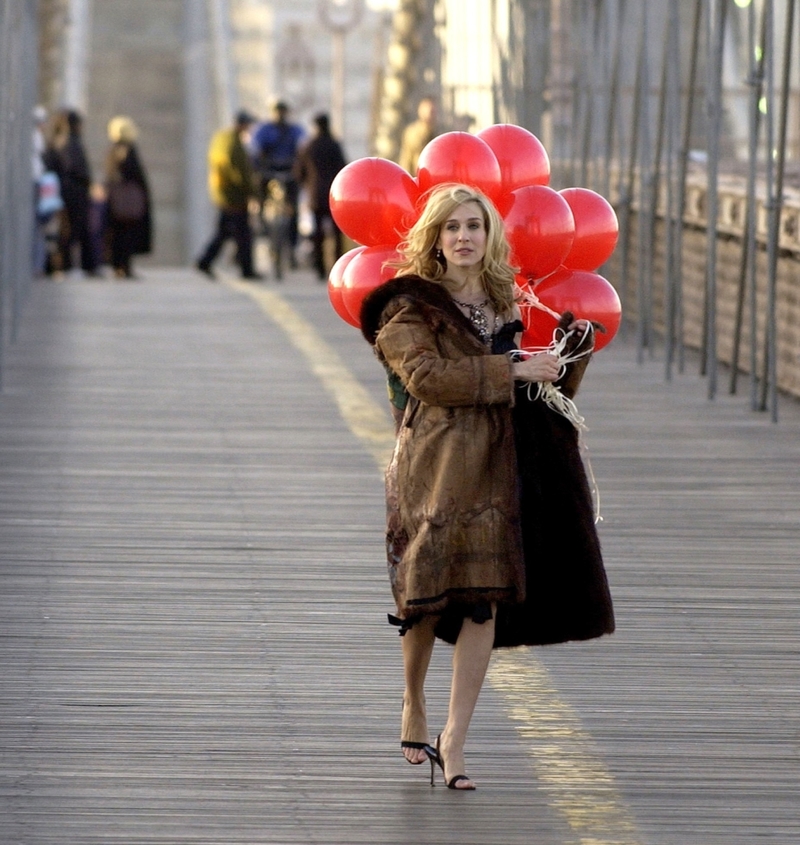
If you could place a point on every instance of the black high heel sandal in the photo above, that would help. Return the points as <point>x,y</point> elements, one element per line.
<point>428,749</point>
<point>424,746</point>
<point>436,760</point>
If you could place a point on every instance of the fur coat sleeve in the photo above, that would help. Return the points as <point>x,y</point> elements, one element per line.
<point>432,365</point>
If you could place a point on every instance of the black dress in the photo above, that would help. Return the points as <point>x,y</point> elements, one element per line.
<point>130,229</point>
<point>567,593</point>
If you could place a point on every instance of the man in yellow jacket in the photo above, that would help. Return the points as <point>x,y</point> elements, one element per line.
<point>231,184</point>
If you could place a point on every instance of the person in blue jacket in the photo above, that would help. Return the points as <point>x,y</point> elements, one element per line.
<point>274,146</point>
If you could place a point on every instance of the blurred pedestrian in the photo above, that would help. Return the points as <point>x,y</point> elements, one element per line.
<point>318,162</point>
<point>129,216</point>
<point>417,134</point>
<point>274,147</point>
<point>66,156</point>
<point>46,191</point>
<point>232,186</point>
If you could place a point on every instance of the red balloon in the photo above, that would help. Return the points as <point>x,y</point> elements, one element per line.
<point>459,157</point>
<point>540,229</point>
<point>587,295</point>
<point>521,155</point>
<point>373,200</point>
<point>539,327</point>
<point>363,274</point>
<point>336,282</point>
<point>596,229</point>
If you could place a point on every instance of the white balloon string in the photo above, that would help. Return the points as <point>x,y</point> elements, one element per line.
<point>528,297</point>
<point>550,393</point>
<point>595,490</point>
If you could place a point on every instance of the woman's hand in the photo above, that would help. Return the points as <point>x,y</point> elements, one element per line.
<point>581,325</point>
<point>540,367</point>
<point>568,323</point>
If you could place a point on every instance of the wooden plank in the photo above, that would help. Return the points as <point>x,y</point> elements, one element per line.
<point>193,598</point>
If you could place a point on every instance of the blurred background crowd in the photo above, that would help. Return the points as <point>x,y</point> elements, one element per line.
<point>684,114</point>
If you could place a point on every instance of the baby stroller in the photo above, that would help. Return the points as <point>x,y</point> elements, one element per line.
<point>277,211</point>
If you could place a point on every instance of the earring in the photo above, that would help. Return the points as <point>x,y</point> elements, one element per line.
<point>439,254</point>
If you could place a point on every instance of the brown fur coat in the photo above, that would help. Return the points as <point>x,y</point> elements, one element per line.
<point>453,534</point>
<point>487,499</point>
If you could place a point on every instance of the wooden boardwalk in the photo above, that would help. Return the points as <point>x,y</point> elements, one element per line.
<point>192,598</point>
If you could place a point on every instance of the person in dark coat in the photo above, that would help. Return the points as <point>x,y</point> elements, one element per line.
<point>476,458</point>
<point>316,168</point>
<point>129,217</point>
<point>66,156</point>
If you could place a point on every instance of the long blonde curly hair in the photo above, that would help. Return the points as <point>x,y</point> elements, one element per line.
<point>419,254</point>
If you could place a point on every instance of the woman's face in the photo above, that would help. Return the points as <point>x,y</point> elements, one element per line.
<point>462,237</point>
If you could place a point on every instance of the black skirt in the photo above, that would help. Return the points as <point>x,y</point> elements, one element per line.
<point>566,589</point>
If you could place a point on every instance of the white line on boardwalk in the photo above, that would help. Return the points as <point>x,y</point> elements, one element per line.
<point>567,764</point>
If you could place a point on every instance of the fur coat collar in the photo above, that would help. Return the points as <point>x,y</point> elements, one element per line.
<point>431,298</point>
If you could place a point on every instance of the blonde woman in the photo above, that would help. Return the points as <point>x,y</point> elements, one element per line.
<point>129,227</point>
<point>446,329</point>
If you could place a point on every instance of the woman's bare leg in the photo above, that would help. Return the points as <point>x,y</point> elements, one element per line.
<point>471,655</point>
<point>417,649</point>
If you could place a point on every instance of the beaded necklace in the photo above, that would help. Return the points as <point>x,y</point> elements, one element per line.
<point>478,318</point>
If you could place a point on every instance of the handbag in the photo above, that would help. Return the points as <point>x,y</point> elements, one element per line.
<point>127,201</point>
<point>48,200</point>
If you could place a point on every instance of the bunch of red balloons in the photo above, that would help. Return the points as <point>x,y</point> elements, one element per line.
<point>558,238</point>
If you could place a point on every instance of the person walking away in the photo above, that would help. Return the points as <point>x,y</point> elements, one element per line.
<point>274,146</point>
<point>66,156</point>
<point>129,214</point>
<point>417,134</point>
<point>318,162</point>
<point>231,183</point>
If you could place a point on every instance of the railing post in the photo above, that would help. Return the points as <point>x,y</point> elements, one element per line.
<point>770,381</point>
<point>18,57</point>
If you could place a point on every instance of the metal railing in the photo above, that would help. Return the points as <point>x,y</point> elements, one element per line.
<point>18,74</point>
<point>658,106</point>
<point>713,81</point>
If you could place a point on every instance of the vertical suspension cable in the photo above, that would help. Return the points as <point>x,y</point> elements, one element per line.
<point>776,206</point>
<point>715,34</point>
<point>628,176</point>
<point>769,179</point>
<point>746,280</point>
<point>683,169</point>
<point>757,91</point>
<point>645,208</point>
<point>672,220</point>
